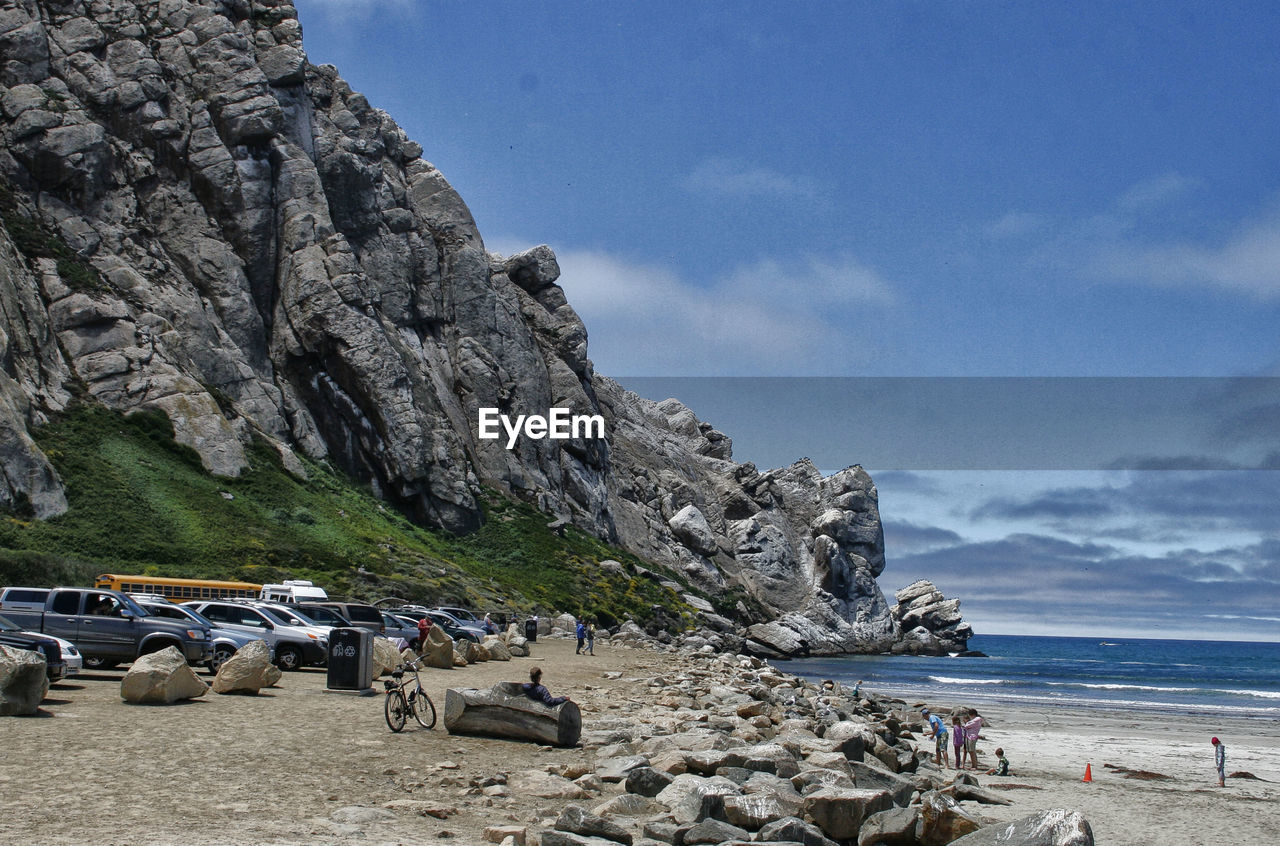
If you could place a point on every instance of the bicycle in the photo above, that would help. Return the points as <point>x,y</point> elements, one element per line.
<point>403,700</point>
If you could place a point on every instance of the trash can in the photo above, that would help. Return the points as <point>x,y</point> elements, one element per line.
<point>531,629</point>
<point>350,663</point>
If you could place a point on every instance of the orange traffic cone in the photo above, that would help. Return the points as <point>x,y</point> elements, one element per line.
<point>1088,773</point>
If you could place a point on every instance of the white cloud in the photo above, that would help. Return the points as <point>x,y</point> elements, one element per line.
<point>1122,242</point>
<point>1248,262</point>
<point>1015,225</point>
<point>736,179</point>
<point>771,318</point>
<point>1156,192</point>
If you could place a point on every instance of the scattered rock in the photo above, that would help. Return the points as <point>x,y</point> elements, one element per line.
<point>162,677</point>
<point>23,681</point>
<point>248,671</point>
<point>1056,827</point>
<point>942,820</point>
<point>576,819</point>
<point>840,812</point>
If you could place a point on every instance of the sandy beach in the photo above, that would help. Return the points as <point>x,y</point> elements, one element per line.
<point>1050,751</point>
<point>297,764</point>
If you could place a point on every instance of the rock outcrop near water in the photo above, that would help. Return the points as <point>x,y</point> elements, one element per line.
<point>928,622</point>
<point>199,221</point>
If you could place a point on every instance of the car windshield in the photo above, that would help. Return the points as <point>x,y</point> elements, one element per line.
<point>327,616</point>
<point>132,607</point>
<point>182,610</point>
<point>286,618</point>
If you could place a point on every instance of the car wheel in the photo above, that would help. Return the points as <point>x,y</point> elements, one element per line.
<point>288,657</point>
<point>99,663</point>
<point>220,656</point>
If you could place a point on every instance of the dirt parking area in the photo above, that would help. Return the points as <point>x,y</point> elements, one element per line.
<point>295,764</point>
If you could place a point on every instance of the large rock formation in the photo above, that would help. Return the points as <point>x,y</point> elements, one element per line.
<point>199,221</point>
<point>928,622</point>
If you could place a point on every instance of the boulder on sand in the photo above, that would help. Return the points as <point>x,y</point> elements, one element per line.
<point>385,656</point>
<point>438,651</point>
<point>23,681</point>
<point>248,671</point>
<point>1055,827</point>
<point>162,677</point>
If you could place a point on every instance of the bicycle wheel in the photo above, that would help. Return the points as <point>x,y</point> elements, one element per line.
<point>396,709</point>
<point>424,710</point>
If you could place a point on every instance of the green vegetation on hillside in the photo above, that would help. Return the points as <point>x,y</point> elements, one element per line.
<point>34,240</point>
<point>142,503</point>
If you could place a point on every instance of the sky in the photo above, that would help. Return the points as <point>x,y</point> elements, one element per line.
<point>925,194</point>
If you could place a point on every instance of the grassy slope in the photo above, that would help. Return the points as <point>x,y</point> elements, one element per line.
<point>141,503</point>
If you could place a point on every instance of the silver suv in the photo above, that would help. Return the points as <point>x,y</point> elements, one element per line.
<point>295,641</point>
<point>226,642</point>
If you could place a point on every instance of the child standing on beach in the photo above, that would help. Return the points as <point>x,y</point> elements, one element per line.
<point>972,729</point>
<point>957,741</point>
<point>1220,760</point>
<point>938,732</point>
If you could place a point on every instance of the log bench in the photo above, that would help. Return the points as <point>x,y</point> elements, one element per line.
<point>505,711</point>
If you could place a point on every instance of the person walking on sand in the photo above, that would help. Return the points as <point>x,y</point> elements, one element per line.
<point>972,729</point>
<point>957,741</point>
<point>591,639</point>
<point>1220,760</point>
<point>938,731</point>
<point>581,632</point>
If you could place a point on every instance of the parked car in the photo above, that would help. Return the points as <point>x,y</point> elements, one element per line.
<point>12,635</point>
<point>319,615</point>
<point>70,656</point>
<point>360,614</point>
<point>400,627</point>
<point>226,642</point>
<point>108,627</point>
<point>451,625</point>
<point>293,590</point>
<point>463,615</point>
<point>455,628</point>
<point>23,599</point>
<point>295,641</point>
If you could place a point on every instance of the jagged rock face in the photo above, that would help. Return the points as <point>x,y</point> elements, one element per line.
<point>271,257</point>
<point>929,623</point>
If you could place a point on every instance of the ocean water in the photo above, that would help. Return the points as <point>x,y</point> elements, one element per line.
<point>1164,676</point>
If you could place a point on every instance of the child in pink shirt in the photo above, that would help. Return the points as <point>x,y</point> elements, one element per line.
<point>971,731</point>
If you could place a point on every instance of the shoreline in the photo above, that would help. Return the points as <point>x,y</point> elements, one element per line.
<point>298,764</point>
<point>1051,752</point>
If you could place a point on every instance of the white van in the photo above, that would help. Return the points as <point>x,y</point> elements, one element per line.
<point>293,590</point>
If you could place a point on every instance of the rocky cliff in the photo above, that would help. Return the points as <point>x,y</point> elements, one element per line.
<point>198,220</point>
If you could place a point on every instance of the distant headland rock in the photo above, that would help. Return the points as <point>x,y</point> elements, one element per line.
<point>199,221</point>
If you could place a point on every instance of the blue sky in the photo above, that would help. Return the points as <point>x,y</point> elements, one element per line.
<point>888,189</point>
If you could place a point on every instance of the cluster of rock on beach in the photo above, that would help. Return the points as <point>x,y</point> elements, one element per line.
<point>727,749</point>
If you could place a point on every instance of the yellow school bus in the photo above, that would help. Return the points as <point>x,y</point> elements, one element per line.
<point>179,590</point>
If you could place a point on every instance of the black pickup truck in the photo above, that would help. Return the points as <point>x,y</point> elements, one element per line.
<point>12,635</point>
<point>109,628</point>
